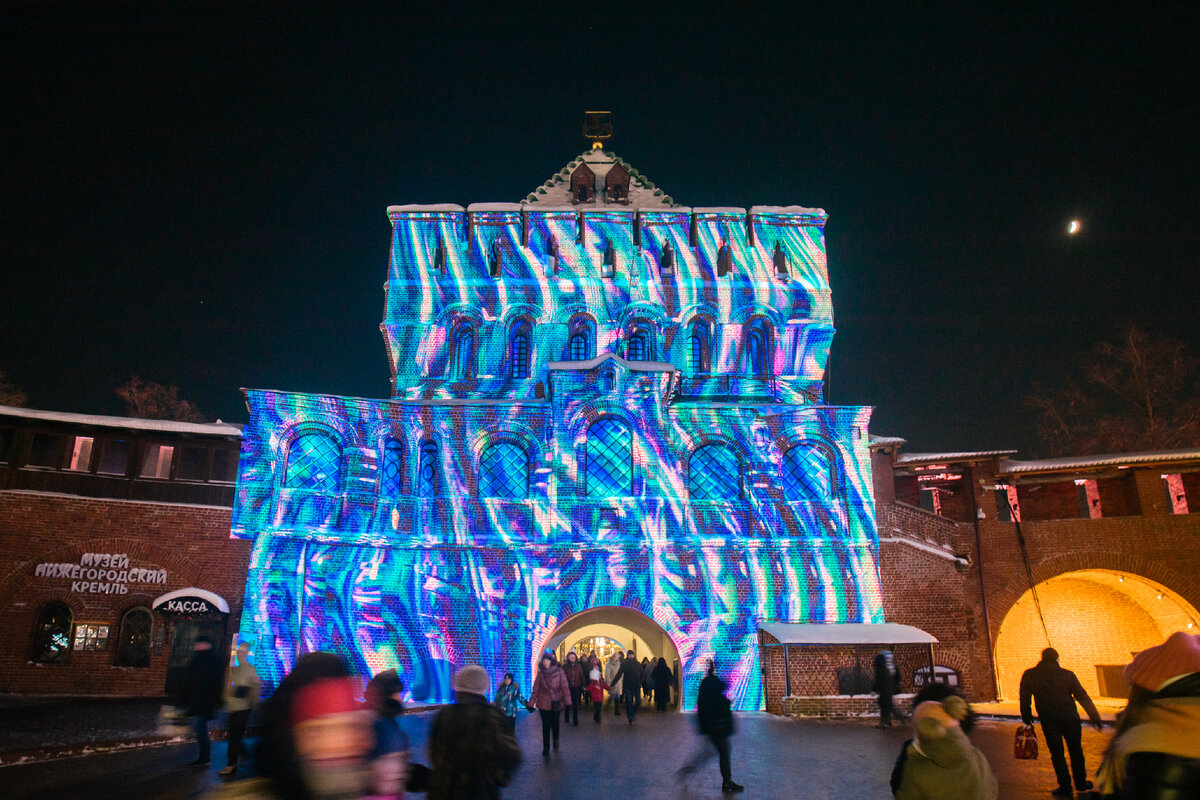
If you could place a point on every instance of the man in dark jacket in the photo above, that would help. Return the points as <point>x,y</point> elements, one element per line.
<point>714,714</point>
<point>887,683</point>
<point>1054,690</point>
<point>470,751</point>
<point>630,676</point>
<point>204,687</point>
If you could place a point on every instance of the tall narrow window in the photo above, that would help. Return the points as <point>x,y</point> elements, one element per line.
<point>504,471</point>
<point>314,462</point>
<point>52,638</point>
<point>696,352</point>
<point>756,353</point>
<point>156,463</point>
<point>427,475</point>
<point>578,347</point>
<point>81,454</point>
<point>807,473</point>
<point>714,473</point>
<point>464,353</point>
<point>518,353</point>
<point>133,641</point>
<point>393,468</point>
<point>610,380</point>
<point>638,349</point>
<point>609,462</point>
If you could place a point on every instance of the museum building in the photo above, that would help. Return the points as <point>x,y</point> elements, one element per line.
<point>118,553</point>
<point>606,415</point>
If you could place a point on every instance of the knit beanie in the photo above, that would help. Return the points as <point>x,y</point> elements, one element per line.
<point>1156,666</point>
<point>472,680</point>
<point>325,697</point>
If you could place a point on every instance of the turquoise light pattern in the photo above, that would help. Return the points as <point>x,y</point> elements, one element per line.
<point>706,485</point>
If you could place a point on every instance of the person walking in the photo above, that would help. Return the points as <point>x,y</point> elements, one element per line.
<point>647,678</point>
<point>549,695</point>
<point>941,764</point>
<point>596,688</point>
<point>1155,752</point>
<point>573,670</point>
<point>663,677</point>
<point>389,756</point>
<point>714,714</point>
<point>204,688</point>
<point>1054,691</point>
<point>611,670</point>
<point>887,683</point>
<point>471,754</point>
<point>630,677</point>
<point>241,696</point>
<point>509,700</point>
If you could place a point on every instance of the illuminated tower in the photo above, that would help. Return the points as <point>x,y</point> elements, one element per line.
<point>604,405</point>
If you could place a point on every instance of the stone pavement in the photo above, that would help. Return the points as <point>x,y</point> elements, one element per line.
<point>772,757</point>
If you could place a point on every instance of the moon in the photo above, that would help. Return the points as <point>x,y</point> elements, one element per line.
<point>1073,228</point>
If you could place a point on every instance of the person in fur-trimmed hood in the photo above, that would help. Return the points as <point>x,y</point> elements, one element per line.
<point>941,763</point>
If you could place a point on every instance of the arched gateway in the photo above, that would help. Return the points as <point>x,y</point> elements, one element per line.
<point>699,481</point>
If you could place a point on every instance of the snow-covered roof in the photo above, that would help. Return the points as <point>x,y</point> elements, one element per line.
<point>880,442</point>
<point>877,633</point>
<point>914,459</point>
<point>426,208</point>
<point>788,210</point>
<point>557,190</point>
<point>1011,467</point>
<point>217,428</point>
<point>592,363</point>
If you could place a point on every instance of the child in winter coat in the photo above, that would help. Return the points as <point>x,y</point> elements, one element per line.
<point>508,700</point>
<point>596,687</point>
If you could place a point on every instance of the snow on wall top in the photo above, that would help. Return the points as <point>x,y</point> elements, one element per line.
<point>133,423</point>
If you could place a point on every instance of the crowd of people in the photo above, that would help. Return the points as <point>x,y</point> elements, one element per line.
<point>319,742</point>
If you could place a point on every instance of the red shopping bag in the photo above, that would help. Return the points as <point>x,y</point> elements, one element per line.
<point>1025,744</point>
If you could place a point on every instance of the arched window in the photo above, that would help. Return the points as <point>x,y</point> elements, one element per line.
<point>518,352</point>
<point>391,476</point>
<point>578,347</point>
<point>639,348</point>
<point>504,471</point>
<point>698,348</point>
<point>133,642</point>
<point>609,462</point>
<point>427,474</point>
<point>52,638</point>
<point>313,463</point>
<point>610,380</point>
<point>757,356</point>
<point>714,473</point>
<point>807,473</point>
<point>463,362</point>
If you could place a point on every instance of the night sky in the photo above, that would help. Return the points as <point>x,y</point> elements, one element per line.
<point>197,195</point>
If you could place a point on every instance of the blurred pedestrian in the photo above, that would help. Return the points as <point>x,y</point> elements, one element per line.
<point>472,755</point>
<point>612,668</point>
<point>596,688</point>
<point>573,670</point>
<point>242,692</point>
<point>389,756</point>
<point>663,677</point>
<point>940,763</point>
<point>887,684</point>
<point>647,678</point>
<point>714,714</point>
<point>549,695</point>
<point>630,677</point>
<point>1155,753</point>
<point>509,701</point>
<point>204,688</point>
<point>937,692</point>
<point>1054,691</point>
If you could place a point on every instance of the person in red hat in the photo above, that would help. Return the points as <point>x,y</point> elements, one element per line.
<point>1156,750</point>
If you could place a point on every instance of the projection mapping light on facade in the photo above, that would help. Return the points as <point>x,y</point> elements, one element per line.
<point>600,399</point>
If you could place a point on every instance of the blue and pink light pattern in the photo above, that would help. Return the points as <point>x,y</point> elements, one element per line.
<point>508,484</point>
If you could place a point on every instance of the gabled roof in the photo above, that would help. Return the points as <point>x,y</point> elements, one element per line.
<point>642,191</point>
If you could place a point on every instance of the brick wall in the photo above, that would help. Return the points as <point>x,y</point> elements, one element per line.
<point>191,543</point>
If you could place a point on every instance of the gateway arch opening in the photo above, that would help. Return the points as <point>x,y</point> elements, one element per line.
<point>606,629</point>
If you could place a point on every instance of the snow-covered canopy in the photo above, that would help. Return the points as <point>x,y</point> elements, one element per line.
<point>877,633</point>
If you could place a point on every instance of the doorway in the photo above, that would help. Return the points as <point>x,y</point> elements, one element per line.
<point>183,633</point>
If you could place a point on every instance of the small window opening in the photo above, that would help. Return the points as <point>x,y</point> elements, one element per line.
<point>81,454</point>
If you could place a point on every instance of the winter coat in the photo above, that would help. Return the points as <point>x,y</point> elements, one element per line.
<point>611,669</point>
<point>508,699</point>
<point>549,687</point>
<point>887,677</point>
<point>244,688</point>
<point>663,676</point>
<point>596,686</point>
<point>389,756</point>
<point>630,675</point>
<point>1054,690</point>
<point>204,683</point>
<point>470,752</point>
<point>1155,752</point>
<point>574,672</point>
<point>946,767</point>
<point>714,712</point>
